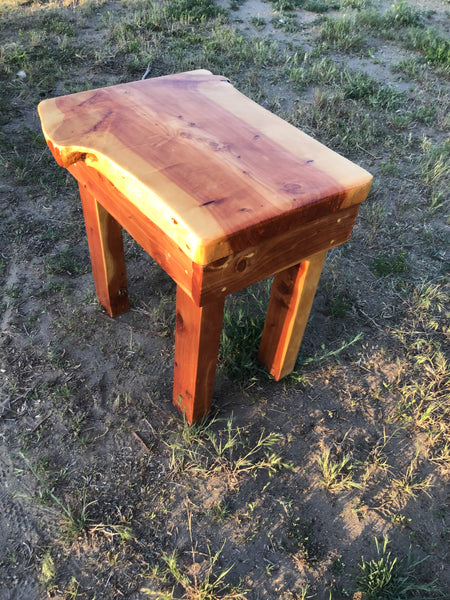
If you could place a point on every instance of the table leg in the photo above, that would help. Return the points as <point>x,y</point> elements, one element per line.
<point>290,303</point>
<point>104,236</point>
<point>197,337</point>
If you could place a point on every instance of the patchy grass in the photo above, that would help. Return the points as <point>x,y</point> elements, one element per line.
<point>388,577</point>
<point>342,34</point>
<point>105,492</point>
<point>435,172</point>
<point>336,473</point>
<point>243,323</point>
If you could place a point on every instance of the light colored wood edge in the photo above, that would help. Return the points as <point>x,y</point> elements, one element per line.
<point>150,237</point>
<point>204,251</point>
<point>240,270</point>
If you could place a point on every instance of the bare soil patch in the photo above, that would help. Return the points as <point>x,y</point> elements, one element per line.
<point>289,483</point>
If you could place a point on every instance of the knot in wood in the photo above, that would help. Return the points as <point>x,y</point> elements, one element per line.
<point>179,321</point>
<point>241,265</point>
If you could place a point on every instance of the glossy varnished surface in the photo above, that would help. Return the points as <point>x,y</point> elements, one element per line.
<point>212,169</point>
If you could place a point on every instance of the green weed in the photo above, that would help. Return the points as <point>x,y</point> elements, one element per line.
<point>220,511</point>
<point>424,401</point>
<point>435,172</point>
<point>72,589</point>
<point>205,451</point>
<point>28,160</point>
<point>235,4</point>
<point>225,48</point>
<point>342,34</point>
<point>409,484</point>
<point>301,542</point>
<point>356,4</point>
<point>47,576</point>
<point>428,297</point>
<point>338,566</point>
<point>54,22</point>
<point>282,5</point>
<point>243,322</point>
<point>121,530</point>
<point>339,307</point>
<point>434,46</point>
<point>425,114</point>
<point>411,67</point>
<point>361,86</point>
<point>337,473</point>
<point>321,6</point>
<point>328,116</point>
<point>258,22</point>
<point>429,41</point>
<point>65,263</point>
<point>326,354</point>
<point>193,11</point>
<point>390,264</point>
<point>303,593</point>
<point>402,14</point>
<point>312,71</point>
<point>399,16</point>
<point>12,291</point>
<point>74,521</point>
<point>388,578</point>
<point>41,58</point>
<point>289,23</point>
<point>205,581</point>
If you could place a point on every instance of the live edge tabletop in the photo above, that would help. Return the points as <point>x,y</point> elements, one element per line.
<point>220,192</point>
<point>210,167</point>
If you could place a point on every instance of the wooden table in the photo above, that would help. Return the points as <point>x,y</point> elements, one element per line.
<point>220,192</point>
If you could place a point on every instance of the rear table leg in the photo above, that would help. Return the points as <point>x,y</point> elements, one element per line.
<point>197,337</point>
<point>104,236</point>
<point>290,303</point>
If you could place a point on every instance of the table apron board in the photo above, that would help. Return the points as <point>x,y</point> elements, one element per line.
<point>208,283</point>
<point>249,266</point>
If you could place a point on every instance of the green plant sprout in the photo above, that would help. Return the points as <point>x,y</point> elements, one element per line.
<point>388,578</point>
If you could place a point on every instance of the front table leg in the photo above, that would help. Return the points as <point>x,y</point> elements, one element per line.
<point>197,337</point>
<point>104,236</point>
<point>290,303</point>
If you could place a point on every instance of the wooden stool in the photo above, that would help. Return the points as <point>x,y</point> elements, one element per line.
<point>220,192</point>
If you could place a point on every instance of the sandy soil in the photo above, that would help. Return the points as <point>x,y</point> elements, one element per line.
<point>86,416</point>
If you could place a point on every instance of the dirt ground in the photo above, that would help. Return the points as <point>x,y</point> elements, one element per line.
<point>100,479</point>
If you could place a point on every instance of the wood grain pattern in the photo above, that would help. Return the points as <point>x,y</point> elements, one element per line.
<point>154,241</point>
<point>104,236</point>
<point>220,192</point>
<point>290,303</point>
<point>223,277</point>
<point>208,166</point>
<point>237,271</point>
<point>197,337</point>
